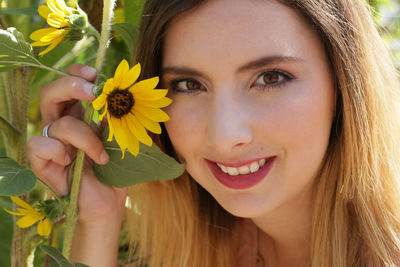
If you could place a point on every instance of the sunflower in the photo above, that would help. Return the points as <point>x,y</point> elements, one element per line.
<point>131,107</point>
<point>30,216</point>
<point>65,22</point>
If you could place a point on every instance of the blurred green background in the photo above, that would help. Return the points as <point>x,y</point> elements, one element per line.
<point>22,15</point>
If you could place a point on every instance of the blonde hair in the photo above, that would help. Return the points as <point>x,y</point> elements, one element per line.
<point>356,217</point>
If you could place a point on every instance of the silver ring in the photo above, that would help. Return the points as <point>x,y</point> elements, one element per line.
<point>45,131</point>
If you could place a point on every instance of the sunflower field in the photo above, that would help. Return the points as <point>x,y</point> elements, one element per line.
<point>39,39</point>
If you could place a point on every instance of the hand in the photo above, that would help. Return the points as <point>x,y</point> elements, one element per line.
<point>50,156</point>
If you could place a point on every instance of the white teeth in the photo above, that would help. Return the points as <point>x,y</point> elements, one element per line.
<point>223,168</point>
<point>232,171</point>
<point>254,167</point>
<point>244,170</point>
<point>261,162</point>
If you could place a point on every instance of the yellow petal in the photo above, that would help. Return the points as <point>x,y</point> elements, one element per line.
<point>150,95</point>
<point>120,73</point>
<point>159,103</point>
<point>145,85</point>
<point>109,86</point>
<point>62,6</point>
<point>52,46</point>
<point>40,43</point>
<point>132,142</point>
<point>26,221</point>
<point>130,77</point>
<point>44,227</point>
<point>101,116</point>
<point>99,102</point>
<point>150,125</point>
<point>39,34</point>
<point>14,213</point>
<point>44,11</point>
<point>55,7</point>
<point>57,21</point>
<point>110,128</point>
<point>138,130</point>
<point>53,36</point>
<point>119,134</point>
<point>154,114</point>
<point>20,202</point>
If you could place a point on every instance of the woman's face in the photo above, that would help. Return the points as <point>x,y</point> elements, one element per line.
<point>253,102</point>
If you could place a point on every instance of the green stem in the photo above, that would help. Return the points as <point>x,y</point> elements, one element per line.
<point>72,210</point>
<point>40,66</point>
<point>92,31</point>
<point>20,121</point>
<point>10,131</point>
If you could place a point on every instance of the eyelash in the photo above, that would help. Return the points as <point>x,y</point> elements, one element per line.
<point>282,79</point>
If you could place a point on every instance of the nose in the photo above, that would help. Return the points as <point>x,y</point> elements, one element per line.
<point>229,127</point>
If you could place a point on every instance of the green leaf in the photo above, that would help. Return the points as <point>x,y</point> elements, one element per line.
<point>149,165</point>
<point>129,33</point>
<point>58,257</point>
<point>6,232</point>
<point>15,51</point>
<point>14,179</point>
<point>19,11</point>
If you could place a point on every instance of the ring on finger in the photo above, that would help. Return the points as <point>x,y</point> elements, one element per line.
<point>45,131</point>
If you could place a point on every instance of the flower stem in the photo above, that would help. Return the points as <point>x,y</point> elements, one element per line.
<point>21,76</point>
<point>72,210</point>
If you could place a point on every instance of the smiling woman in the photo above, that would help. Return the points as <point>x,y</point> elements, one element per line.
<point>286,115</point>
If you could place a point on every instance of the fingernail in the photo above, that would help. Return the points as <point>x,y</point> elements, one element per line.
<point>67,159</point>
<point>88,88</point>
<point>88,72</point>
<point>104,157</point>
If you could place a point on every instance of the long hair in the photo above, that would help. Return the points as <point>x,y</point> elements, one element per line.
<point>356,205</point>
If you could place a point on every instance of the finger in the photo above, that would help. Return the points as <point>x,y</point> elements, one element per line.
<point>60,94</point>
<point>83,71</point>
<point>49,159</point>
<point>70,130</point>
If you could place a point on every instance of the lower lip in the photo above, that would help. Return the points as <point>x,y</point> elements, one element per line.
<point>241,181</point>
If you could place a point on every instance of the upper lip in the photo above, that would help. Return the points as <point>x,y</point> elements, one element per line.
<point>239,163</point>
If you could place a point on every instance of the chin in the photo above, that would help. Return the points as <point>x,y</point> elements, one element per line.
<point>247,206</point>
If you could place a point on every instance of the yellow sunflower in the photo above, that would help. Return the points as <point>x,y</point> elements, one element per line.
<point>131,107</point>
<point>62,20</point>
<point>30,216</point>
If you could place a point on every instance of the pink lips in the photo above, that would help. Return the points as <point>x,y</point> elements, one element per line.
<point>241,181</point>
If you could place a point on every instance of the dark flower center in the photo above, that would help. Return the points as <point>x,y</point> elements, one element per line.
<point>120,102</point>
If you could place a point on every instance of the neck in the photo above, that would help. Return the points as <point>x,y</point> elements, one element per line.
<point>285,233</point>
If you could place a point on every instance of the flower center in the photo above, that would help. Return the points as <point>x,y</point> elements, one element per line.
<point>120,102</point>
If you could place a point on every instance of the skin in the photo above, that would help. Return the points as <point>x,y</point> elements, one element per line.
<point>221,111</point>
<point>234,117</point>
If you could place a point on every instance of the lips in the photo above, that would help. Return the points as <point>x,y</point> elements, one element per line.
<point>241,176</point>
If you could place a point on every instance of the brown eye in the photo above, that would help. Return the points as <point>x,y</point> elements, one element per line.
<point>271,77</point>
<point>188,85</point>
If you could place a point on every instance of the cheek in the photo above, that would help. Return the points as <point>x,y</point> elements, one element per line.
<point>184,127</point>
<point>299,123</point>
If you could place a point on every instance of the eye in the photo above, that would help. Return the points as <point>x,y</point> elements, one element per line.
<point>271,79</point>
<point>187,86</point>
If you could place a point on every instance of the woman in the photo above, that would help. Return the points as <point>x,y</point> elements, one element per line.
<point>285,114</point>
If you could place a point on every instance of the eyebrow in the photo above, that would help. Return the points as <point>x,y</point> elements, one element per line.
<point>268,60</point>
<point>258,63</point>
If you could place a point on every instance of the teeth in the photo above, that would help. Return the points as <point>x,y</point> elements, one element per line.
<point>252,168</point>
<point>244,170</point>
<point>232,171</point>
<point>261,162</point>
<point>223,168</point>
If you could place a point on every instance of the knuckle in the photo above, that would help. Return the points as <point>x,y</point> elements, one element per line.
<point>64,123</point>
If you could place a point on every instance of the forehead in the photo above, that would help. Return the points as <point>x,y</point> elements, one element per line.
<point>237,29</point>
